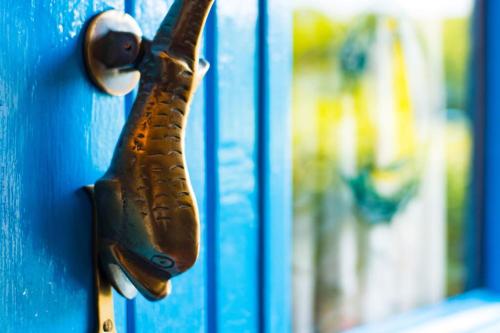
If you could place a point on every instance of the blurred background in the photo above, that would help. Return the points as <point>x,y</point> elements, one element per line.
<point>382,145</point>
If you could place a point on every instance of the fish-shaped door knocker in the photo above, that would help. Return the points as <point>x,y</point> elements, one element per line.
<point>148,223</point>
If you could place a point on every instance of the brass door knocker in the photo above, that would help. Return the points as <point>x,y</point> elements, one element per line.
<point>147,219</point>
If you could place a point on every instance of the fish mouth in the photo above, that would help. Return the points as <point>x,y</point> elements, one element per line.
<point>129,272</point>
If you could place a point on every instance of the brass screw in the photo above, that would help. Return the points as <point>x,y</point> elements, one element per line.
<point>108,325</point>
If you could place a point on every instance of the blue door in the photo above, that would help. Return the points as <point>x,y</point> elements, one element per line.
<point>58,132</point>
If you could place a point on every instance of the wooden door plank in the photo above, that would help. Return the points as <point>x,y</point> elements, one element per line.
<point>275,56</point>
<point>233,274</point>
<point>57,134</point>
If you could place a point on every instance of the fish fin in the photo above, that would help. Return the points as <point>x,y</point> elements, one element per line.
<point>203,67</point>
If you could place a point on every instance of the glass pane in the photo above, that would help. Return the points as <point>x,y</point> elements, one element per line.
<point>382,158</point>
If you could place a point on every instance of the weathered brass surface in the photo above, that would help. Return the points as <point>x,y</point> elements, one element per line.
<point>103,293</point>
<point>148,218</point>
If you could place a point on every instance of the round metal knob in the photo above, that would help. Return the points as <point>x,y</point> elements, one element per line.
<point>112,48</point>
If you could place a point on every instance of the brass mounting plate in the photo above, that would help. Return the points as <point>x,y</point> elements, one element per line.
<point>104,305</point>
<point>114,81</point>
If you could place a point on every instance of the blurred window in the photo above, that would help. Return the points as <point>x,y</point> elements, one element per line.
<point>382,158</point>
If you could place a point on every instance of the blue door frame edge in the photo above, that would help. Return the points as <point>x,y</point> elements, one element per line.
<point>491,137</point>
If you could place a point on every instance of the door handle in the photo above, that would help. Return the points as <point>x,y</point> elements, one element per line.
<point>147,217</point>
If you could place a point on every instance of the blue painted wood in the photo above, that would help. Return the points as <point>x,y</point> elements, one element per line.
<point>237,210</point>
<point>492,149</point>
<point>56,135</point>
<point>184,310</point>
<point>275,56</point>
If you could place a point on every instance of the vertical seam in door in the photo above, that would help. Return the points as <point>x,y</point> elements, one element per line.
<point>130,304</point>
<point>130,7</point>
<point>129,101</point>
<point>212,170</point>
<point>262,159</point>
